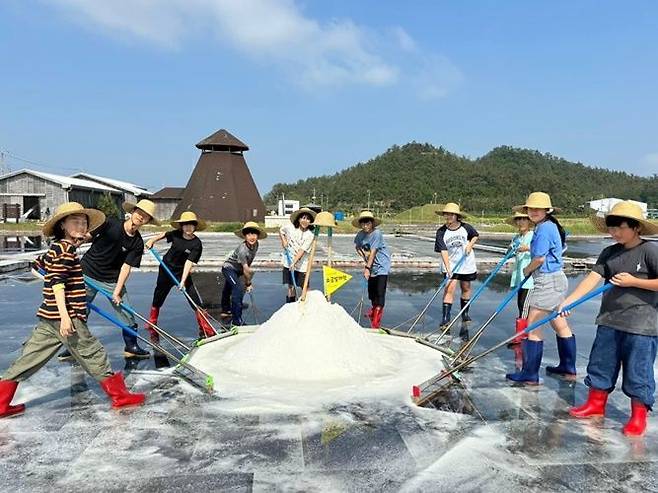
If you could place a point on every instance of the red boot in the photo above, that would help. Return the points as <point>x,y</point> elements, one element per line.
<point>115,388</point>
<point>595,405</point>
<point>153,319</point>
<point>7,391</point>
<point>376,320</point>
<point>520,326</point>
<point>205,329</point>
<point>368,314</point>
<point>638,422</point>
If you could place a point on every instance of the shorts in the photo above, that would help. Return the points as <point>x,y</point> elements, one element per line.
<point>549,291</point>
<point>299,277</point>
<point>465,277</point>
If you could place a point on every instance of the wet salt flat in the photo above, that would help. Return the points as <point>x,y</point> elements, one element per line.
<point>484,436</point>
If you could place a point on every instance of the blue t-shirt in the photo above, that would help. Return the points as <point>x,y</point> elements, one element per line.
<point>546,243</point>
<point>366,242</point>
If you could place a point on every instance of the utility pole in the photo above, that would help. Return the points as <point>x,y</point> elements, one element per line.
<point>4,169</point>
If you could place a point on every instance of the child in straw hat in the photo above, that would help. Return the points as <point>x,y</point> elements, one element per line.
<point>627,333</point>
<point>550,287</point>
<point>63,313</point>
<point>296,239</point>
<point>182,256</point>
<point>238,265</point>
<point>455,239</point>
<point>116,248</point>
<point>522,259</point>
<point>370,245</point>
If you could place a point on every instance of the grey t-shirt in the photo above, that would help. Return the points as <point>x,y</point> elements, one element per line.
<point>241,255</point>
<point>630,310</point>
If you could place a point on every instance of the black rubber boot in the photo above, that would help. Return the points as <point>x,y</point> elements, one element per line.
<point>446,314</point>
<point>462,304</point>
<point>65,356</point>
<point>132,349</point>
<point>291,299</point>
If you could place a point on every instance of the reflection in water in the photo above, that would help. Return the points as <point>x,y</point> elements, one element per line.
<point>20,243</point>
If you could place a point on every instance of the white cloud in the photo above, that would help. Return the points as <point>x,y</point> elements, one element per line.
<point>312,53</point>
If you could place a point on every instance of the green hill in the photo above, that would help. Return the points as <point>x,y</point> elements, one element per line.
<point>413,174</point>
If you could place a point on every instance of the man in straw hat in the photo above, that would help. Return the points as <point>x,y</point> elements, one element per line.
<point>627,332</point>
<point>63,313</point>
<point>182,256</point>
<point>296,239</point>
<point>237,266</point>
<point>370,245</point>
<point>454,240</point>
<point>116,248</point>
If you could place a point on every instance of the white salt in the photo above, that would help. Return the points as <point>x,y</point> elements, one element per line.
<point>311,341</point>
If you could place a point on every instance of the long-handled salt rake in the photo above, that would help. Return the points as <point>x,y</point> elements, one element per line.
<point>510,253</point>
<point>203,313</point>
<point>443,284</point>
<point>126,307</point>
<point>426,391</point>
<point>199,378</point>
<point>466,349</point>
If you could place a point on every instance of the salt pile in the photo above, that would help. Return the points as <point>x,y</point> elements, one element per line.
<point>312,341</point>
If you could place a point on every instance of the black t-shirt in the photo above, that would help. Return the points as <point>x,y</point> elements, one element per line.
<point>181,250</point>
<point>631,310</point>
<point>111,247</point>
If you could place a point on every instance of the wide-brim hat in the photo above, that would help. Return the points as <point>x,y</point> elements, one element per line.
<point>95,217</point>
<point>537,200</point>
<point>366,215</point>
<point>189,217</point>
<point>251,225</point>
<point>517,215</point>
<point>304,210</point>
<point>627,210</point>
<point>145,205</point>
<point>451,208</point>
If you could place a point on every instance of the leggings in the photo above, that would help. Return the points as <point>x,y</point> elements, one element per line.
<point>164,285</point>
<point>377,290</point>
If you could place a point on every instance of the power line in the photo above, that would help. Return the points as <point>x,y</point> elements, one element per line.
<point>5,152</point>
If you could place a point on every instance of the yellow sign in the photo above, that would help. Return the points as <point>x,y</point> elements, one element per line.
<point>333,279</point>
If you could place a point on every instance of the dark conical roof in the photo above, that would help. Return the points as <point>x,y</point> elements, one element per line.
<point>222,140</point>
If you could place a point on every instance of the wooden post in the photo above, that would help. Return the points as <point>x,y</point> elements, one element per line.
<point>329,245</point>
<point>309,267</point>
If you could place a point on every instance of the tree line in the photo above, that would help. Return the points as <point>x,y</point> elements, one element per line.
<point>413,174</point>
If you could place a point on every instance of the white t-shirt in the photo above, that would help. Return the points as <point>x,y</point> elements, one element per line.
<point>297,240</point>
<point>454,241</point>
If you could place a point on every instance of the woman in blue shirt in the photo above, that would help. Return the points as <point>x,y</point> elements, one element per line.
<point>550,288</point>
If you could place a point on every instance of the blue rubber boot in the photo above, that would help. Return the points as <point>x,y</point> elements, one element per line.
<point>532,354</point>
<point>566,349</point>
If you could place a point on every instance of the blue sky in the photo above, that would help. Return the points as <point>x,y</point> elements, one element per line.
<point>126,88</point>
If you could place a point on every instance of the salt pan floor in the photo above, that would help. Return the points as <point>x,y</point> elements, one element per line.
<point>491,438</point>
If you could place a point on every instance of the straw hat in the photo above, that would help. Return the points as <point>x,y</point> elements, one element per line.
<point>189,217</point>
<point>628,210</point>
<point>262,234</point>
<point>356,222</point>
<point>145,205</point>
<point>517,215</point>
<point>95,217</point>
<point>451,208</point>
<point>299,212</point>
<point>537,200</point>
<point>325,219</point>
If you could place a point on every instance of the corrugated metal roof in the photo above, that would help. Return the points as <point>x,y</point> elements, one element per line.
<point>64,181</point>
<point>123,185</point>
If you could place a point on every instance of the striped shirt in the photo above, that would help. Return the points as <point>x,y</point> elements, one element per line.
<point>62,267</point>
